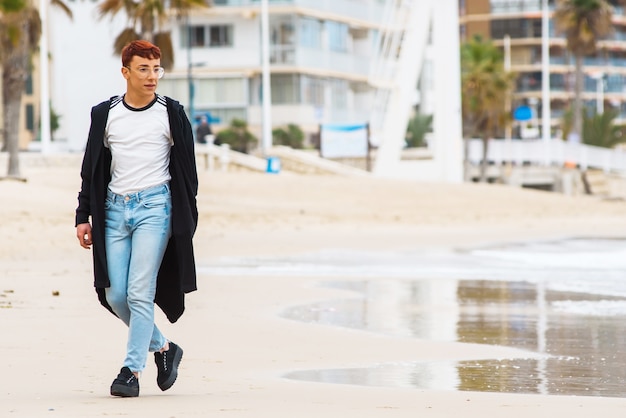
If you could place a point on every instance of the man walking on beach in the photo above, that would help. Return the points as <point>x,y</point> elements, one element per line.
<point>139,186</point>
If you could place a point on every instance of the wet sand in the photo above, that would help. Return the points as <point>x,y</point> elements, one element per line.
<point>574,341</point>
<point>61,349</point>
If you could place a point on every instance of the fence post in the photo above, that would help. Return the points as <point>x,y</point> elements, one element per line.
<point>224,156</point>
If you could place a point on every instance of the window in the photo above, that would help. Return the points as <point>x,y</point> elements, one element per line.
<point>197,36</point>
<point>220,90</point>
<point>212,36</point>
<point>285,88</point>
<point>313,91</point>
<point>30,117</point>
<point>516,28</point>
<point>226,115</point>
<point>338,93</point>
<point>175,87</point>
<point>310,32</point>
<point>337,36</point>
<point>28,89</point>
<point>282,30</point>
<point>220,35</point>
<point>513,6</point>
<point>529,82</point>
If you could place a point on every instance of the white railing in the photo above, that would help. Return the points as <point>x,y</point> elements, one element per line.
<point>223,156</point>
<point>547,153</point>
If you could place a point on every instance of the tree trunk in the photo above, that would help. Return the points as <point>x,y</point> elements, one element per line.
<point>467,164</point>
<point>483,161</point>
<point>14,75</point>
<point>577,128</point>
<point>13,83</point>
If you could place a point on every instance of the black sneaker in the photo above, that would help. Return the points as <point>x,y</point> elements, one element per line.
<point>167,363</point>
<point>125,384</point>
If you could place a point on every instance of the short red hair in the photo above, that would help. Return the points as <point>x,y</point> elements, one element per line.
<point>143,49</point>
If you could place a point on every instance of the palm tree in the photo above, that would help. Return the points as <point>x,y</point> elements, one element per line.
<point>484,89</point>
<point>416,131</point>
<point>600,129</point>
<point>20,31</point>
<point>584,23</point>
<point>145,21</point>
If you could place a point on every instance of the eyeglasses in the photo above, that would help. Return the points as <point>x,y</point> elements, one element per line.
<point>144,72</point>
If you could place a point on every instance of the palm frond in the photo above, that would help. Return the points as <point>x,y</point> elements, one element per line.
<point>112,7</point>
<point>147,20</point>
<point>164,41</point>
<point>601,130</point>
<point>125,37</point>
<point>584,23</point>
<point>62,6</point>
<point>34,27</point>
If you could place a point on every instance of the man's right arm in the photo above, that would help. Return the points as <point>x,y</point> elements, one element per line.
<point>83,233</point>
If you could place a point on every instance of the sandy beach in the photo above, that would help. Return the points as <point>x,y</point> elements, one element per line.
<point>60,349</point>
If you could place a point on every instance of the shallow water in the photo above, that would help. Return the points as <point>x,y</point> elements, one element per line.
<point>582,337</point>
<point>562,301</point>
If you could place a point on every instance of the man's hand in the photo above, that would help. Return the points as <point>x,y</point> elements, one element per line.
<point>83,233</point>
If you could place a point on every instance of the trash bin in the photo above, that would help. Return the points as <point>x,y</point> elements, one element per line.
<point>273,165</point>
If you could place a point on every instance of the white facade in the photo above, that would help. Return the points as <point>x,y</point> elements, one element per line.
<point>321,54</point>
<point>84,71</point>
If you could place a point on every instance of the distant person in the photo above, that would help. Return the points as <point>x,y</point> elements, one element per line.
<point>203,130</point>
<point>139,186</point>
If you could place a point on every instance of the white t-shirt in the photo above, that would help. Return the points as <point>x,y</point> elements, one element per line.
<point>140,142</point>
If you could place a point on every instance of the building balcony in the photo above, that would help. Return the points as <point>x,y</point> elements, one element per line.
<point>517,6</point>
<point>308,117</point>
<point>371,11</point>
<point>328,63</point>
<point>531,6</point>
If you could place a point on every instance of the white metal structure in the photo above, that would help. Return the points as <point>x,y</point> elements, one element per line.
<point>403,49</point>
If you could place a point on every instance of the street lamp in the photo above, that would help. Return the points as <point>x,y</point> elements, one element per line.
<point>545,73</point>
<point>265,79</point>
<point>190,80</point>
<point>192,88</point>
<point>189,74</point>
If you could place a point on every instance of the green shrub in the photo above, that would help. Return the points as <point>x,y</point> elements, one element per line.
<point>292,136</point>
<point>237,136</point>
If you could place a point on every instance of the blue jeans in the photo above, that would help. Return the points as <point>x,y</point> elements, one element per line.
<point>137,229</point>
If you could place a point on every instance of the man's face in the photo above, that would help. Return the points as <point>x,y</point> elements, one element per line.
<point>142,75</point>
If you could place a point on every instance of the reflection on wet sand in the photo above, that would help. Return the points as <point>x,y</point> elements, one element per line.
<point>583,336</point>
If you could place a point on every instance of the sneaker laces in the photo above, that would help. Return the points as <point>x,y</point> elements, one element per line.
<point>127,377</point>
<point>164,357</point>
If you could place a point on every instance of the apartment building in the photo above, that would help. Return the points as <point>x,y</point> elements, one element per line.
<point>605,73</point>
<point>319,61</point>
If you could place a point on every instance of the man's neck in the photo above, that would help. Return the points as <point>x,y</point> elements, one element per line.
<point>138,101</point>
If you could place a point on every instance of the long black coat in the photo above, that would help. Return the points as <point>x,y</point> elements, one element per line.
<point>177,274</point>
